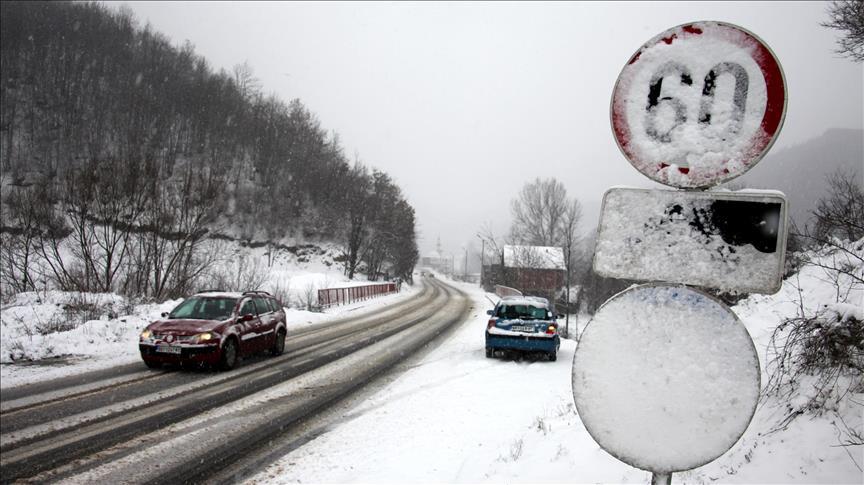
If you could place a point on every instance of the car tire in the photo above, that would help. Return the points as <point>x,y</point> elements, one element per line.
<point>228,359</point>
<point>490,352</point>
<point>153,365</point>
<point>553,356</point>
<point>279,345</point>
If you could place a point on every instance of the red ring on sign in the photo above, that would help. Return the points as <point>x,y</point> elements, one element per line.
<point>771,123</point>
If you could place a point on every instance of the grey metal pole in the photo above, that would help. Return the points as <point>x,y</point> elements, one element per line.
<point>567,317</point>
<point>482,254</point>
<point>661,478</point>
<point>465,272</point>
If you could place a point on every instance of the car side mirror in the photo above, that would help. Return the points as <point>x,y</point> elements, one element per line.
<point>164,314</point>
<point>560,315</point>
<point>490,312</point>
<point>246,318</point>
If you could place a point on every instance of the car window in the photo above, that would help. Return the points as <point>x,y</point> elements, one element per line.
<point>248,307</point>
<point>274,303</point>
<point>522,312</point>
<point>262,305</point>
<point>202,308</point>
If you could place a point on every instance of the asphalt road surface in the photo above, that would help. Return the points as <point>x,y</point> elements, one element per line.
<point>130,424</point>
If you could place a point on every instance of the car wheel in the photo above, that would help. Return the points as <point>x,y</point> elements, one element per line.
<point>279,344</point>
<point>152,365</point>
<point>490,352</point>
<point>553,356</point>
<point>229,355</point>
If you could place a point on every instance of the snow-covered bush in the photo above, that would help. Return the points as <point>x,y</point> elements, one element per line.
<point>816,358</point>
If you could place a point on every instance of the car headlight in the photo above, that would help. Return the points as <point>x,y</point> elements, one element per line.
<point>146,334</point>
<point>205,337</point>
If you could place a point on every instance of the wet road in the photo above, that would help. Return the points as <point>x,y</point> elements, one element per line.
<point>133,425</point>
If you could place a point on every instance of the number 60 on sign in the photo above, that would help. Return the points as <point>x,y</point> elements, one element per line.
<point>698,104</point>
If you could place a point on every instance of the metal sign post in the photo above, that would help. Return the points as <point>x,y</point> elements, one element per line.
<point>665,376</point>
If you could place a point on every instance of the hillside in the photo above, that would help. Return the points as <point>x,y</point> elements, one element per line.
<point>122,153</point>
<point>801,171</point>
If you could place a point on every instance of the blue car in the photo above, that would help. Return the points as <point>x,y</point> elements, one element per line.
<point>523,324</point>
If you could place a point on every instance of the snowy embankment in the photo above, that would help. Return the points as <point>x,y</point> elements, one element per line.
<point>50,334</point>
<point>456,416</point>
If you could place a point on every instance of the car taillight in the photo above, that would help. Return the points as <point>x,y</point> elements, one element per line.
<point>551,329</point>
<point>491,323</point>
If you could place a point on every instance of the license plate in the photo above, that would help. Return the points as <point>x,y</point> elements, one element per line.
<point>522,328</point>
<point>168,349</point>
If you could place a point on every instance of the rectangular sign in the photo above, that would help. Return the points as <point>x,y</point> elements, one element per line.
<point>733,241</point>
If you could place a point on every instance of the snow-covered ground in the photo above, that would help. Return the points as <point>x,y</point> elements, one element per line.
<point>456,416</point>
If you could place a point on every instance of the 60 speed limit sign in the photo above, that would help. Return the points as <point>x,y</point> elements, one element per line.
<point>699,104</point>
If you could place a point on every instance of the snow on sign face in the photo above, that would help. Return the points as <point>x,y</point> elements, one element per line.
<point>698,105</point>
<point>734,241</point>
<point>665,378</point>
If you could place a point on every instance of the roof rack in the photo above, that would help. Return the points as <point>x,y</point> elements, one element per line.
<point>257,292</point>
<point>211,291</point>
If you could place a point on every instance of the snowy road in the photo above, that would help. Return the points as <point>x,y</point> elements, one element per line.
<point>103,426</point>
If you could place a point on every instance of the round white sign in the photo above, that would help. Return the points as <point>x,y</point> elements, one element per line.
<point>699,104</point>
<point>665,378</point>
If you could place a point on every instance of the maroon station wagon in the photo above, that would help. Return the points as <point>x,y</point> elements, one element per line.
<point>215,328</point>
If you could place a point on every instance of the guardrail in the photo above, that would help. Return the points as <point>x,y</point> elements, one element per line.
<point>342,296</point>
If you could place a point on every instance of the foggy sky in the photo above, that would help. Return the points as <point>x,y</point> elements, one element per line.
<point>463,103</point>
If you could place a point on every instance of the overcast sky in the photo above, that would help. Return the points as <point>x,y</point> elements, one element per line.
<point>462,103</point>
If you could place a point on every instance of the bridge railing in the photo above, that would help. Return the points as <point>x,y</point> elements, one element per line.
<point>342,296</point>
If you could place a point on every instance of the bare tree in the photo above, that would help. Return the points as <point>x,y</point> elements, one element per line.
<point>543,215</point>
<point>247,84</point>
<point>841,214</point>
<point>356,232</point>
<point>539,213</point>
<point>18,249</point>
<point>847,16</point>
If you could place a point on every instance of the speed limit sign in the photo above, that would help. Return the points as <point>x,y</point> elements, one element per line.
<point>699,104</point>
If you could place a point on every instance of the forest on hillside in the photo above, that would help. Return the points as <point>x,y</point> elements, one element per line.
<point>121,155</point>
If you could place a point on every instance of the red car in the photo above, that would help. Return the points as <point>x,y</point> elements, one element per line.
<point>215,328</point>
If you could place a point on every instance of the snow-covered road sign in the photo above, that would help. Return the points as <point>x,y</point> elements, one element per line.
<point>734,241</point>
<point>665,378</point>
<point>699,104</point>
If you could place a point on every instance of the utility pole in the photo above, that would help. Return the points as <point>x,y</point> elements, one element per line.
<point>465,269</point>
<point>567,317</point>
<point>482,256</point>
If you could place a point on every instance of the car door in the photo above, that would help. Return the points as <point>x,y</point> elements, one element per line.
<point>266,328</point>
<point>250,340</point>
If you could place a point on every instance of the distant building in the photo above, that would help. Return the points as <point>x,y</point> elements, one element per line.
<point>533,270</point>
<point>436,261</point>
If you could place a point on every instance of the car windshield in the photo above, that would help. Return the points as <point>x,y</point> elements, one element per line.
<point>523,312</point>
<point>203,308</point>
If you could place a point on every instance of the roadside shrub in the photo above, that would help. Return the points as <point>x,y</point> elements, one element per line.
<point>826,348</point>
<point>57,323</point>
<point>245,274</point>
<point>281,289</point>
<point>308,297</point>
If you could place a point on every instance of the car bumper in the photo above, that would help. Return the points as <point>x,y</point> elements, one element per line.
<point>203,354</point>
<point>528,343</point>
